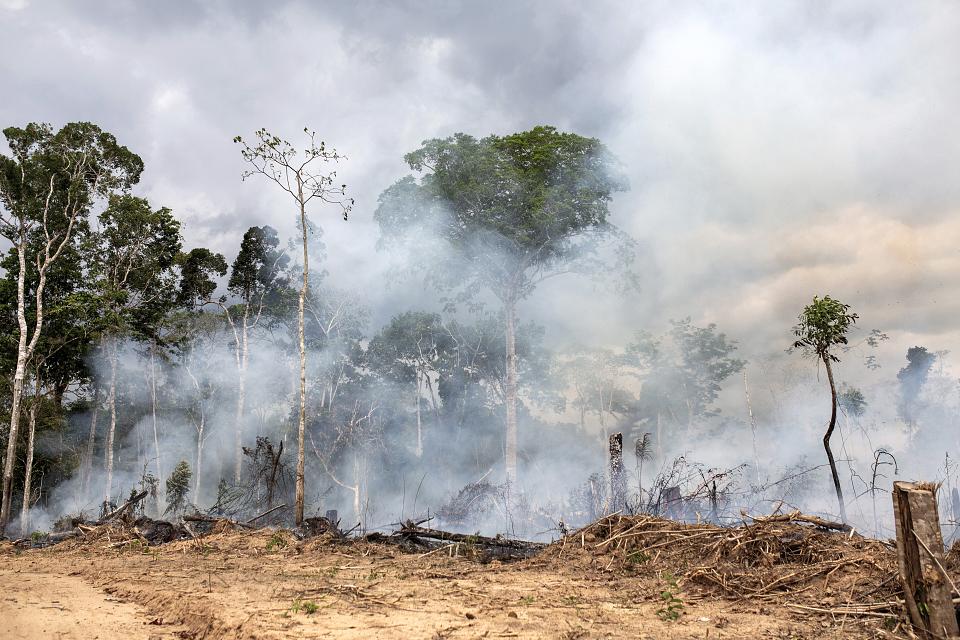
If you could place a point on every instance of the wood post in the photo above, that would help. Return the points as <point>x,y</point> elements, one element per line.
<point>618,477</point>
<point>926,587</point>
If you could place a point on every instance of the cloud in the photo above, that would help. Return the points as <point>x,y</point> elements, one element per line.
<point>775,151</point>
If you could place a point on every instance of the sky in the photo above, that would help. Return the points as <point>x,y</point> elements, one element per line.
<point>775,150</point>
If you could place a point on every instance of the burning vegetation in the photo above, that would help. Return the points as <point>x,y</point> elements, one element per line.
<point>157,396</point>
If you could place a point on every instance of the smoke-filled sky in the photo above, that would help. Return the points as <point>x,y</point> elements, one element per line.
<point>775,150</point>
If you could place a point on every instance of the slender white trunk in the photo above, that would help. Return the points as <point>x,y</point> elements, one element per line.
<point>28,472</point>
<point>112,404</point>
<point>199,468</point>
<point>510,391</point>
<point>91,442</point>
<point>301,423</point>
<point>17,392</point>
<point>753,428</point>
<point>153,409</point>
<point>241,359</point>
<point>419,450</point>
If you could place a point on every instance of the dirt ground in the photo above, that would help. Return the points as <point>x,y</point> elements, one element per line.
<point>265,585</point>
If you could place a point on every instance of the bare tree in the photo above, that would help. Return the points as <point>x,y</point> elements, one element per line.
<point>295,172</point>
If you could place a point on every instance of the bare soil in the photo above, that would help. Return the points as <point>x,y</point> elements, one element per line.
<point>269,585</point>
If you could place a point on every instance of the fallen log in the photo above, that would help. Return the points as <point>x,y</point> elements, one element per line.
<point>196,517</point>
<point>122,508</point>
<point>796,516</point>
<point>266,513</point>
<point>411,530</point>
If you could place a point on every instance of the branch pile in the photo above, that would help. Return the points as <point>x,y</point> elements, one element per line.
<point>792,558</point>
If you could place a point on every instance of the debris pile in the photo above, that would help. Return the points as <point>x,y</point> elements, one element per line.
<point>803,561</point>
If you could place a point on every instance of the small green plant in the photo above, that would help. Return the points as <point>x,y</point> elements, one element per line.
<point>527,600</point>
<point>374,575</point>
<point>304,606</point>
<point>37,536</point>
<point>637,557</point>
<point>672,607</point>
<point>276,541</point>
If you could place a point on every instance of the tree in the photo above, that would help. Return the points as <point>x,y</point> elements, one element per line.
<point>912,378</point>
<point>513,211</point>
<point>823,325</point>
<point>47,187</point>
<point>682,373</point>
<point>256,277</point>
<point>134,270</point>
<point>409,351</point>
<point>178,486</point>
<point>296,174</point>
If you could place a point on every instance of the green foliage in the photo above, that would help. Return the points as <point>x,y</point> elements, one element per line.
<point>823,324</point>
<point>178,486</point>
<point>682,373</point>
<point>672,607</point>
<point>851,400</point>
<point>259,267</point>
<point>133,264</point>
<point>912,378</point>
<point>198,270</point>
<point>308,607</point>
<point>276,541</point>
<point>512,208</point>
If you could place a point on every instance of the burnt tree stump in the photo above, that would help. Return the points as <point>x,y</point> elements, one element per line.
<point>618,476</point>
<point>926,587</point>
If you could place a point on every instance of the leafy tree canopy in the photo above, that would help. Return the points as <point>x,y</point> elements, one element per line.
<point>823,324</point>
<point>512,207</point>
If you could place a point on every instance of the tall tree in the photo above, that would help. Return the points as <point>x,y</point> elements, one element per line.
<point>410,351</point>
<point>257,276</point>
<point>512,211</point>
<point>296,173</point>
<point>823,325</point>
<point>134,271</point>
<point>47,186</point>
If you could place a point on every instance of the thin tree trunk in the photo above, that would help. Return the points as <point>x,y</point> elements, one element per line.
<point>199,469</point>
<point>827,436</point>
<point>28,470</point>
<point>153,408</point>
<point>302,418</point>
<point>242,355</point>
<point>510,391</point>
<point>91,442</point>
<point>112,404</point>
<point>17,391</point>
<point>753,428</point>
<point>419,450</point>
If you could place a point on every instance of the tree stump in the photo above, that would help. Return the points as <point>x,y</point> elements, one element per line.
<point>920,556</point>
<point>618,477</point>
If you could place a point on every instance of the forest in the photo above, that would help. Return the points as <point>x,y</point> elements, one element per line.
<point>133,361</point>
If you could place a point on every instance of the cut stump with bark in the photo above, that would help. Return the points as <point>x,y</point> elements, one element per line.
<point>926,586</point>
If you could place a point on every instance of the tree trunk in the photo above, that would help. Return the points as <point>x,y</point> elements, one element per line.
<point>302,419</point>
<point>510,391</point>
<point>753,428</point>
<point>28,470</point>
<point>827,436</point>
<point>112,404</point>
<point>91,442</point>
<point>242,356</point>
<point>17,391</point>
<point>153,409</point>
<point>419,450</point>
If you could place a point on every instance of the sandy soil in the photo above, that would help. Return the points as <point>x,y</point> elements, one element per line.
<point>256,585</point>
<point>37,606</point>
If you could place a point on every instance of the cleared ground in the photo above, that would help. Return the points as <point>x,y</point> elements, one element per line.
<point>265,585</point>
